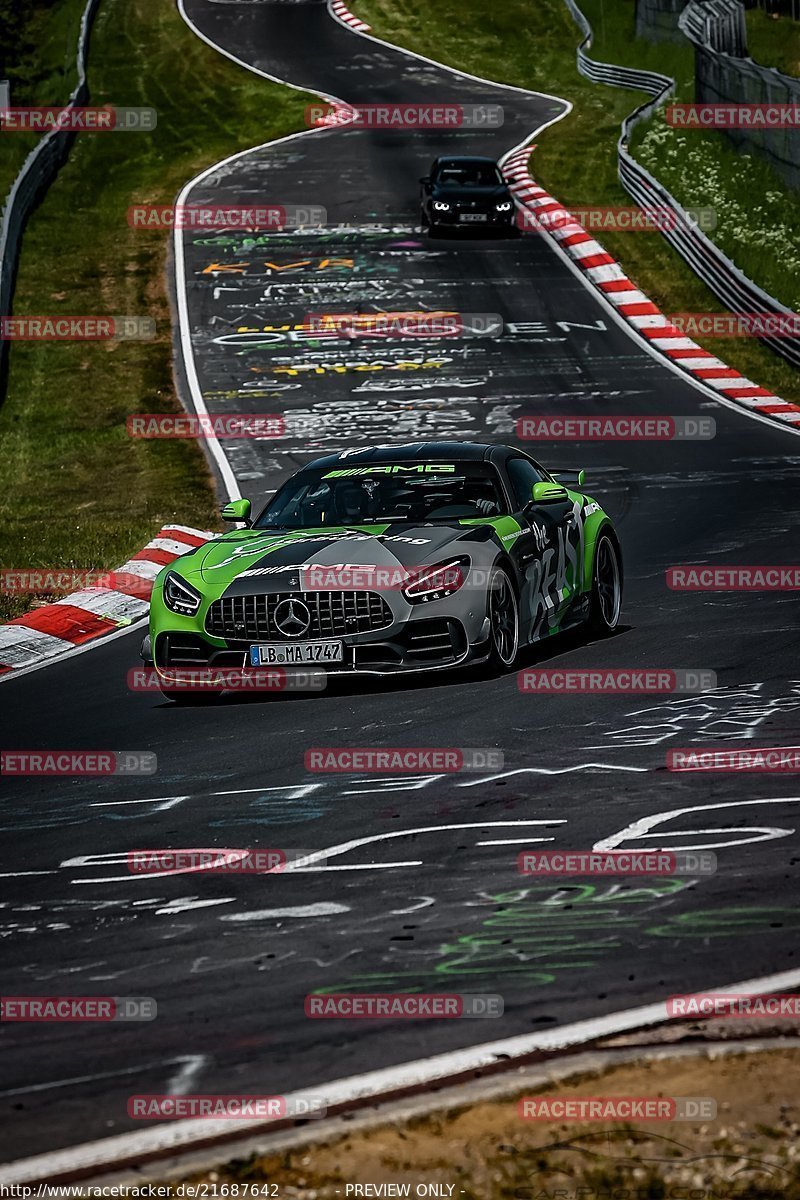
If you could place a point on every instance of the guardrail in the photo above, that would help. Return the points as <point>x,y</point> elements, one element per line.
<point>35,175</point>
<point>716,24</point>
<point>717,271</point>
<point>716,29</point>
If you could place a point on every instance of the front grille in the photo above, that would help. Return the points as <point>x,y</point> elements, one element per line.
<point>332,614</point>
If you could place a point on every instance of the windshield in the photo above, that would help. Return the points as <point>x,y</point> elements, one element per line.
<point>469,174</point>
<point>413,492</point>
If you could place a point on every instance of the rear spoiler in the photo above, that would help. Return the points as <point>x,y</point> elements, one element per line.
<point>575,475</point>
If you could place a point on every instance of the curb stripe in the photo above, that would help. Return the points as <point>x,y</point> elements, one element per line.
<point>51,629</point>
<point>75,625</point>
<point>344,14</point>
<point>632,304</point>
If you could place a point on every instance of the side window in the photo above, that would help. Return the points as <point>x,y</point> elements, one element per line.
<point>522,476</point>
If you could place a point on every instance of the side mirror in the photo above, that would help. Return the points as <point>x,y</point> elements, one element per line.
<point>425,180</point>
<point>236,510</point>
<point>548,493</point>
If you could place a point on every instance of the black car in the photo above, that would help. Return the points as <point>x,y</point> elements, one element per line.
<point>465,192</point>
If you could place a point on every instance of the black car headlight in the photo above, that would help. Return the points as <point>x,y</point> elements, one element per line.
<point>441,206</point>
<point>504,206</point>
<point>180,596</point>
<point>437,581</point>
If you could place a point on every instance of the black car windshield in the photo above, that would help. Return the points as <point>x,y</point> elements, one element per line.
<point>468,174</point>
<point>385,492</point>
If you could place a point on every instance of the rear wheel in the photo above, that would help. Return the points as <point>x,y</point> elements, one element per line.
<point>606,602</point>
<point>503,622</point>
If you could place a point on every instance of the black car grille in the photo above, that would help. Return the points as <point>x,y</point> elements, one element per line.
<point>332,614</point>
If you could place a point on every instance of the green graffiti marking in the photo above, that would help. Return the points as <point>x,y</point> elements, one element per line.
<point>535,933</point>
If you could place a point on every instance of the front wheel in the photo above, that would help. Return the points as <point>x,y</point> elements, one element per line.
<point>606,601</point>
<point>503,622</point>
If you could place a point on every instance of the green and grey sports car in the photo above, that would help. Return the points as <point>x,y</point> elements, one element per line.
<point>392,559</point>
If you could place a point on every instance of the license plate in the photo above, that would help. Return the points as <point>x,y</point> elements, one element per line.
<point>472,216</point>
<point>285,654</point>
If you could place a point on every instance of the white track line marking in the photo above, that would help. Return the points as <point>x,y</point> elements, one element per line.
<point>323,909</point>
<point>187,1061</point>
<point>356,1090</point>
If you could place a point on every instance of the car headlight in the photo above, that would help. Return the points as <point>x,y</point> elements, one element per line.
<point>437,581</point>
<point>180,596</point>
<point>504,206</point>
<point>441,206</point>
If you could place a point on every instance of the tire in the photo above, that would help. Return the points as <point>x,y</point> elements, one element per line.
<point>503,609</point>
<point>605,605</point>
<point>423,218</point>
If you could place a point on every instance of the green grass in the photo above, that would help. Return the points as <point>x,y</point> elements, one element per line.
<point>38,48</point>
<point>533,45</point>
<point>758,219</point>
<point>77,491</point>
<point>774,42</point>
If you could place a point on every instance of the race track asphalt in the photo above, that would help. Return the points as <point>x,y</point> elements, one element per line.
<point>427,897</point>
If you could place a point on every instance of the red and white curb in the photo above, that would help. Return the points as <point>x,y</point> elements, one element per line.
<point>341,11</point>
<point>94,612</point>
<point>605,273</point>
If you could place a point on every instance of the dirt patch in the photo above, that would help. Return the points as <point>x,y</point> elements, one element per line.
<point>751,1148</point>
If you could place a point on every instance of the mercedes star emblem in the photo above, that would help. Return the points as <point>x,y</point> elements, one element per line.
<point>292,617</point>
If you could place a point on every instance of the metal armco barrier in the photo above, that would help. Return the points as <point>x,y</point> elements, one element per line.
<point>730,285</point>
<point>716,24</point>
<point>723,73</point>
<point>35,175</point>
